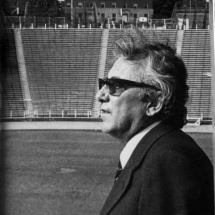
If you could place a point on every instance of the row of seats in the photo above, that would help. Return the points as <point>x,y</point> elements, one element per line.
<point>62,67</point>
<point>196,55</point>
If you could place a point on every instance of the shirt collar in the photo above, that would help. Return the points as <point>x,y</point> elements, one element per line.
<point>132,144</point>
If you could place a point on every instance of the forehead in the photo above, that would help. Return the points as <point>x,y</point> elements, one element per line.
<point>125,69</point>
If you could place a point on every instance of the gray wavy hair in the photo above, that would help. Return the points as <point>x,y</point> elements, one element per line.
<point>162,67</point>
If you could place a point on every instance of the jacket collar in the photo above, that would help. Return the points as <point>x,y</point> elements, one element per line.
<point>138,155</point>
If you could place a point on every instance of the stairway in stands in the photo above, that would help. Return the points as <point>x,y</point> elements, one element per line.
<point>12,97</point>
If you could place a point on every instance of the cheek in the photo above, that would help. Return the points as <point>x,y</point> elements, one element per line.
<point>116,122</point>
<point>124,116</point>
<point>129,112</point>
<point>124,112</point>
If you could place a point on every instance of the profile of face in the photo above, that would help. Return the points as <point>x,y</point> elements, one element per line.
<point>125,113</point>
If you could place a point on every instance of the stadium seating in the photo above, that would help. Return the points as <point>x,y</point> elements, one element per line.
<point>62,66</point>
<point>12,97</point>
<point>196,55</point>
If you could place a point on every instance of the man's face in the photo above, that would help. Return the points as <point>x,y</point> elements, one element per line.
<point>125,113</point>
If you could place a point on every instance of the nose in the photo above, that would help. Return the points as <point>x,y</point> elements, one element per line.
<point>102,95</point>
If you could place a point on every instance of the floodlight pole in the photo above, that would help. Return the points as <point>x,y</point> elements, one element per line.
<point>121,13</point>
<point>72,13</point>
<point>212,39</point>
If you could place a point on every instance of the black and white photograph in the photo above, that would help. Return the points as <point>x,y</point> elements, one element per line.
<point>107,107</point>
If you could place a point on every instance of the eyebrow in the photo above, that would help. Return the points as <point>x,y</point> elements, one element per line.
<point>117,77</point>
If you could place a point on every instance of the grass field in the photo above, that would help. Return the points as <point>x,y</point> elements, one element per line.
<point>61,172</point>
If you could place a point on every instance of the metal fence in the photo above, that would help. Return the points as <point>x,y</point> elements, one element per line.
<point>65,22</point>
<point>48,114</point>
<point>35,22</point>
<point>52,114</point>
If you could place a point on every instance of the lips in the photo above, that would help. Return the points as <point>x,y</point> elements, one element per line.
<point>104,111</point>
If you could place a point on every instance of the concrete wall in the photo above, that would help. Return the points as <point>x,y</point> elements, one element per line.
<point>81,126</point>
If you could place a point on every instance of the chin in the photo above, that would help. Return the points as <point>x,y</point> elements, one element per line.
<point>110,130</point>
<point>106,128</point>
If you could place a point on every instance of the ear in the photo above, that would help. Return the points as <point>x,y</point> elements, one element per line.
<point>154,108</point>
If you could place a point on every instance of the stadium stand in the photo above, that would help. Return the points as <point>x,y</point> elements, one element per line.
<point>196,55</point>
<point>12,97</point>
<point>62,67</point>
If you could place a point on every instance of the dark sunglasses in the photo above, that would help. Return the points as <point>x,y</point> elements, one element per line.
<point>117,86</point>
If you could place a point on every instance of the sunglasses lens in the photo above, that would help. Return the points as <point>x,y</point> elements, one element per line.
<point>112,87</point>
<point>101,83</point>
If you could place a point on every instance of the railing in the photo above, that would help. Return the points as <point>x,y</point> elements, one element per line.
<point>62,22</point>
<point>52,114</point>
<point>194,120</point>
<point>46,114</point>
<point>35,22</point>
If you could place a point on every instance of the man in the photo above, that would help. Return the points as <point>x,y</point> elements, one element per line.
<point>163,170</point>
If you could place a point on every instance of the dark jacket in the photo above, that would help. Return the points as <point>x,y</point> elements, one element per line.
<point>167,174</point>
